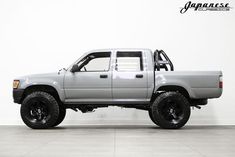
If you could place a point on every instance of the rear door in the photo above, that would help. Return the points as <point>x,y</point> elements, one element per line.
<point>129,77</point>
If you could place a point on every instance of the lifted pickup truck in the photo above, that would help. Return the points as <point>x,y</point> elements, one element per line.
<point>131,78</point>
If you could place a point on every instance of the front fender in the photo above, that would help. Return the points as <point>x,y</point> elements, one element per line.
<point>54,81</point>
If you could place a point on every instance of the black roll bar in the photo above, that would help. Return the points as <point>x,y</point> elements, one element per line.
<point>160,63</point>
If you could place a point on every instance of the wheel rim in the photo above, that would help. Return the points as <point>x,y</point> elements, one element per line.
<point>38,112</point>
<point>171,111</point>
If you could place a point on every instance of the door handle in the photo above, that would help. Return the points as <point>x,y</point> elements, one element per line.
<point>139,76</point>
<point>103,76</point>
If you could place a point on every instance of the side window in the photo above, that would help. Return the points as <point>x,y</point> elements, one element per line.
<point>95,62</point>
<point>129,61</point>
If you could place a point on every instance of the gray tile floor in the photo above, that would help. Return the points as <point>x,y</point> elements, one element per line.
<point>117,140</point>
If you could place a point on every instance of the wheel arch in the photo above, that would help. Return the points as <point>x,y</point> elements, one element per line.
<point>44,88</point>
<point>171,88</point>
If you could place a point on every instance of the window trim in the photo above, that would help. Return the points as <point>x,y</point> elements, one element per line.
<point>141,61</point>
<point>97,57</point>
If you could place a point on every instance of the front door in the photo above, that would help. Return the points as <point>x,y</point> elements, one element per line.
<point>92,83</point>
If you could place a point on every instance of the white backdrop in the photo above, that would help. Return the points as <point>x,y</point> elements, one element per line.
<point>46,35</point>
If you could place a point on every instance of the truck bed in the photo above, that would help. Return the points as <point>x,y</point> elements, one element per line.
<point>199,84</point>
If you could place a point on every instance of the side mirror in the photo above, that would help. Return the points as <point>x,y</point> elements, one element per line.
<point>74,68</point>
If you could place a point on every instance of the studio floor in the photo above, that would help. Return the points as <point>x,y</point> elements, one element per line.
<point>117,141</point>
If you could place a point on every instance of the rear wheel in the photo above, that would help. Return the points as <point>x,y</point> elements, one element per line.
<point>151,116</point>
<point>170,110</point>
<point>39,110</point>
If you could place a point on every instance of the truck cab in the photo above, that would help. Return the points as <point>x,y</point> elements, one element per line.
<point>111,76</point>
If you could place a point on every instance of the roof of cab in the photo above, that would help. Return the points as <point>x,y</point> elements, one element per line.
<point>120,49</point>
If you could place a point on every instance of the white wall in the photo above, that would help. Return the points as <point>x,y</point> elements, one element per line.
<point>46,35</point>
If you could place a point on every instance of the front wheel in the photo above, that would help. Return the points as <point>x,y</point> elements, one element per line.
<point>170,110</point>
<point>39,110</point>
<point>62,113</point>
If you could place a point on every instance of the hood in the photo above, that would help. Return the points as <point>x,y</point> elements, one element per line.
<point>52,79</point>
<point>42,75</point>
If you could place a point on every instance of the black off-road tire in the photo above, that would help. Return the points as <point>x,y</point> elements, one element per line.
<point>171,110</point>
<point>151,117</point>
<point>62,113</point>
<point>39,110</point>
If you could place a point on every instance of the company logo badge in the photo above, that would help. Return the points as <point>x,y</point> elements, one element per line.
<point>205,7</point>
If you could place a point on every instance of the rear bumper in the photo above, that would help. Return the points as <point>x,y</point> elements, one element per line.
<point>194,102</point>
<point>17,95</point>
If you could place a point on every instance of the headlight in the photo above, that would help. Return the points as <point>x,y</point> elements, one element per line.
<point>16,84</point>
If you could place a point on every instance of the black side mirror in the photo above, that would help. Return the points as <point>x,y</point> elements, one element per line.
<point>74,68</point>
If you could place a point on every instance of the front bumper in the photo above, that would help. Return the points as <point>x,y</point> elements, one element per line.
<point>17,95</point>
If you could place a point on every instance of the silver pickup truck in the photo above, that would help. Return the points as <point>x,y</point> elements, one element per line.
<point>131,78</point>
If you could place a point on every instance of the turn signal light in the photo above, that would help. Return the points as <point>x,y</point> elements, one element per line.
<point>221,82</point>
<point>16,84</point>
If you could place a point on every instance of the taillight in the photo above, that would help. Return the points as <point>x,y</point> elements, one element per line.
<point>221,81</point>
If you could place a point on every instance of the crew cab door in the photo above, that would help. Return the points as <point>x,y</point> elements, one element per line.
<point>92,82</point>
<point>129,77</point>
